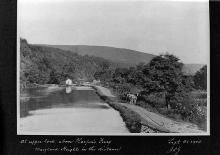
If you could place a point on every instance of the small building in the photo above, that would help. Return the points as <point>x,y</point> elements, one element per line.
<point>69,82</point>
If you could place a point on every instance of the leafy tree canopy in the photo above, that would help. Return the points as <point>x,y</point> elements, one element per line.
<point>200,78</point>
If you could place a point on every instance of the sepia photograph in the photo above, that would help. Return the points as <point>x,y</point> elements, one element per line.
<point>122,67</point>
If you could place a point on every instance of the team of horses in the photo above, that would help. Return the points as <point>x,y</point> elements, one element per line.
<point>132,98</point>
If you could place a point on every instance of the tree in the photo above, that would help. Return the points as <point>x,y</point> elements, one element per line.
<point>165,75</point>
<point>188,82</point>
<point>200,78</point>
<point>135,76</point>
<point>120,75</point>
<point>105,65</point>
<point>104,76</point>
<point>55,77</point>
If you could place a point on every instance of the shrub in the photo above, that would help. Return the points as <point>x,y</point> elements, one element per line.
<point>200,78</point>
<point>199,118</point>
<point>199,94</point>
<point>187,108</point>
<point>156,100</point>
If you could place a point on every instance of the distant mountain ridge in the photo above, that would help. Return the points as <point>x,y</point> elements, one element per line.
<point>122,57</point>
<point>191,69</point>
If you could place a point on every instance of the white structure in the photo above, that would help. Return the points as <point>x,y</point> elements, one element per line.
<point>69,82</point>
<point>68,90</point>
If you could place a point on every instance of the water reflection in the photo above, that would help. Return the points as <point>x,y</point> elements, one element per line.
<point>41,98</point>
<point>68,90</point>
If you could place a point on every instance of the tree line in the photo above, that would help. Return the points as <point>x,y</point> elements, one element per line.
<point>46,65</point>
<point>161,83</point>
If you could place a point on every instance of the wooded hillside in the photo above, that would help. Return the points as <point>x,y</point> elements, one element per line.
<point>51,65</point>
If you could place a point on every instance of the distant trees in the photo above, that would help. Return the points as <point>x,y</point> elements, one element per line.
<point>120,75</point>
<point>104,75</point>
<point>200,78</point>
<point>51,65</point>
<point>105,65</point>
<point>55,77</point>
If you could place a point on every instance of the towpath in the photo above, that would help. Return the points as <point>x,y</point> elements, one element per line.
<point>153,119</point>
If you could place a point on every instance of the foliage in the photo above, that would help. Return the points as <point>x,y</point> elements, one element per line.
<point>43,65</point>
<point>160,83</point>
<point>165,75</point>
<point>188,82</point>
<point>162,76</point>
<point>200,78</point>
<point>103,75</point>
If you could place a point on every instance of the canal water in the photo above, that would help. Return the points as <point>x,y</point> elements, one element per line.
<point>61,110</point>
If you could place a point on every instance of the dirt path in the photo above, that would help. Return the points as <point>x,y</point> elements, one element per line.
<point>159,121</point>
<point>156,120</point>
<point>104,91</point>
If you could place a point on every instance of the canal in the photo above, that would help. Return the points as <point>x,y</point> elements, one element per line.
<point>61,110</point>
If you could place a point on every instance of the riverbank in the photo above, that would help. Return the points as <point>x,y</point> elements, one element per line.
<point>139,120</point>
<point>134,122</point>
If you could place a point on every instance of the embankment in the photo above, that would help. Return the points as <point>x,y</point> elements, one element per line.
<point>133,120</point>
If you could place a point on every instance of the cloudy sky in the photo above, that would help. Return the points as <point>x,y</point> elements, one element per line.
<point>180,28</point>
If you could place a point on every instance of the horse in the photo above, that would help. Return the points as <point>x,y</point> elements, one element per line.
<point>132,98</point>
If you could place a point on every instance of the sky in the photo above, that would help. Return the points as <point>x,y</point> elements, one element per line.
<point>177,27</point>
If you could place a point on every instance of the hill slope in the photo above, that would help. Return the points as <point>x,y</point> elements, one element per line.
<point>123,57</point>
<point>191,69</point>
<point>40,64</point>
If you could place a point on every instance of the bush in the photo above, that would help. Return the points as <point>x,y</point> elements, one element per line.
<point>186,110</point>
<point>199,118</point>
<point>199,97</point>
<point>156,100</point>
<point>191,111</point>
<point>200,78</point>
<point>199,94</point>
